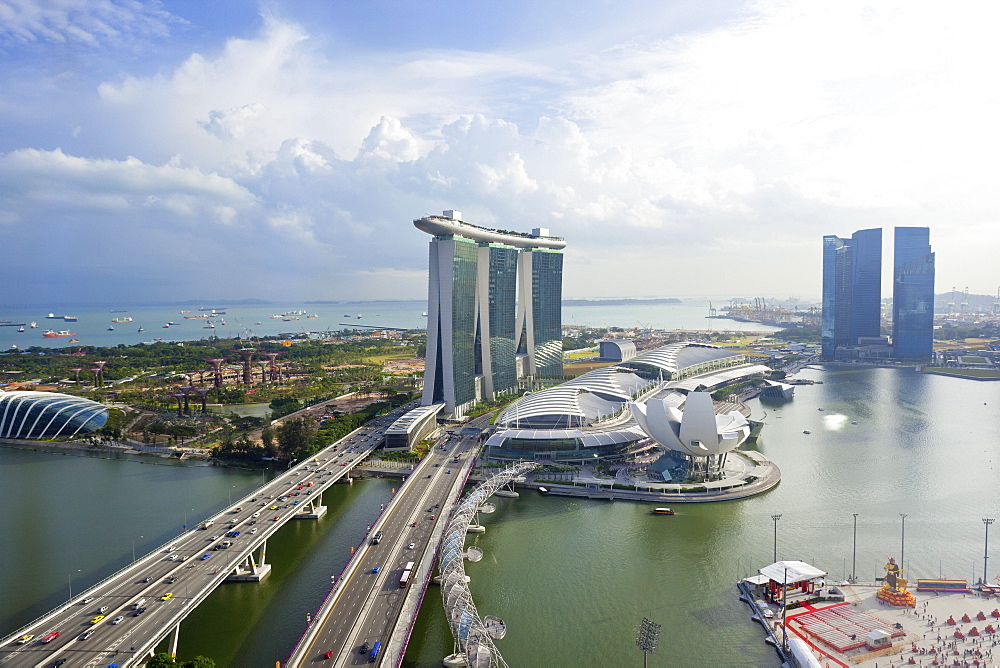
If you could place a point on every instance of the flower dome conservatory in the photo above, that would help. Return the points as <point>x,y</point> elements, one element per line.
<point>27,414</point>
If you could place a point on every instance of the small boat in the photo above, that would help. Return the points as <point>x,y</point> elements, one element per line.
<point>359,316</point>
<point>543,490</point>
<point>347,315</point>
<point>663,511</point>
<point>21,328</point>
<point>312,317</point>
<point>122,320</point>
<point>806,431</point>
<point>53,316</point>
<point>209,326</point>
<point>183,312</point>
<point>820,408</point>
<point>111,328</point>
<point>854,421</point>
<point>258,323</point>
<point>13,347</point>
<point>142,329</point>
<point>166,326</point>
<point>74,340</point>
<point>49,334</point>
<point>70,318</point>
<point>33,325</point>
<point>424,314</point>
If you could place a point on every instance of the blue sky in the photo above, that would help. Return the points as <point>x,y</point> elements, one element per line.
<point>229,149</point>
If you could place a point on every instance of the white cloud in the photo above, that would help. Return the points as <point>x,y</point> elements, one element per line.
<point>87,22</point>
<point>700,154</point>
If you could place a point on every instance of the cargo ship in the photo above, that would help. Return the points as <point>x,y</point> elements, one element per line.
<point>49,334</point>
<point>70,318</point>
<point>122,320</point>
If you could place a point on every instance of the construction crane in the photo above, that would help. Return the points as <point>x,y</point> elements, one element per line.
<point>951,300</point>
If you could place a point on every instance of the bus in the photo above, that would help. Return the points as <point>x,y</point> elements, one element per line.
<point>409,566</point>
<point>404,579</point>
<point>375,650</point>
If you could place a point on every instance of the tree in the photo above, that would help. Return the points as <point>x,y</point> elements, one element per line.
<point>297,438</point>
<point>161,660</point>
<point>199,662</point>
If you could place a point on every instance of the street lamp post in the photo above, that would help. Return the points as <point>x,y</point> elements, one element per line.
<point>902,542</point>
<point>133,549</point>
<point>986,547</point>
<point>854,552</point>
<point>69,578</point>
<point>775,517</point>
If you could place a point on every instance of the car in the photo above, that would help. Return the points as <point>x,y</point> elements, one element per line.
<point>436,465</point>
<point>25,639</point>
<point>172,579</point>
<point>172,557</point>
<point>411,546</point>
<point>364,648</point>
<point>328,654</point>
<point>86,634</point>
<point>253,531</point>
<point>167,596</point>
<point>253,499</point>
<point>87,600</point>
<point>58,663</point>
<point>139,611</point>
<point>205,556</point>
<point>251,523</point>
<point>448,471</point>
<point>256,514</point>
<point>375,570</point>
<point>49,637</point>
<point>117,620</point>
<point>414,524</point>
<point>428,475</point>
<point>276,507</point>
<point>433,517</point>
<point>97,619</point>
<point>212,538</point>
<point>235,534</point>
<point>148,578</point>
<point>276,518</point>
<point>103,609</point>
<point>295,503</point>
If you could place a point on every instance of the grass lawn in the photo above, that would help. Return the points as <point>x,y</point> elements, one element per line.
<point>968,373</point>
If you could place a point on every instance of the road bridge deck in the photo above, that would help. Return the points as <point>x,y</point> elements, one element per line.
<point>188,568</point>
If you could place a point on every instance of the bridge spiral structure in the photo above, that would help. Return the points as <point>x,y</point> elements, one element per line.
<point>472,635</point>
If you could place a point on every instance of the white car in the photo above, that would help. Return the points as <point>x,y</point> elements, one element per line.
<point>117,620</point>
<point>257,514</point>
<point>253,531</point>
<point>411,546</point>
<point>87,600</point>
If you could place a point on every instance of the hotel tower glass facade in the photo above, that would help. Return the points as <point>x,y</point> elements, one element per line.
<point>912,294</point>
<point>852,289</point>
<point>487,291</point>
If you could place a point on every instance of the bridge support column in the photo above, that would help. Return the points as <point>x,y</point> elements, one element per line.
<point>175,637</point>
<point>250,570</point>
<point>311,511</point>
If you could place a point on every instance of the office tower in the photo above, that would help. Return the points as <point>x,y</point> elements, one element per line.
<point>912,294</point>
<point>852,289</point>
<point>476,313</point>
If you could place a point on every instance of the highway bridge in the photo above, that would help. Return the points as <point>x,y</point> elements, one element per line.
<point>123,618</point>
<point>368,604</point>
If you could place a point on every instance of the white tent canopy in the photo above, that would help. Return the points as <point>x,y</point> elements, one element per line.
<point>791,572</point>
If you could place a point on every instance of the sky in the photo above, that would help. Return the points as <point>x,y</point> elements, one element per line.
<point>280,150</point>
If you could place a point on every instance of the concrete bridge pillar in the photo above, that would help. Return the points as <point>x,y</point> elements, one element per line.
<point>250,570</point>
<point>175,637</point>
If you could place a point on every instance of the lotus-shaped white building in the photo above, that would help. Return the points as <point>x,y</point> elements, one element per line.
<point>695,431</point>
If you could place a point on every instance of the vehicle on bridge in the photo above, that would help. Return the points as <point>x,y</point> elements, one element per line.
<point>375,650</point>
<point>97,619</point>
<point>376,537</point>
<point>49,637</point>
<point>23,640</point>
<point>167,596</point>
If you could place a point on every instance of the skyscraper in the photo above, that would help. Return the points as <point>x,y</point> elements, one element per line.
<point>488,291</point>
<point>852,289</point>
<point>912,294</point>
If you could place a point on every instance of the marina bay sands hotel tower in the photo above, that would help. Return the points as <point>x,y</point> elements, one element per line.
<point>494,310</point>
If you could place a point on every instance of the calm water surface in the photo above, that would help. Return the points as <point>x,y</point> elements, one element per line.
<point>572,579</point>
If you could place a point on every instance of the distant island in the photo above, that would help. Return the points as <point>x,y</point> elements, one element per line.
<point>621,302</point>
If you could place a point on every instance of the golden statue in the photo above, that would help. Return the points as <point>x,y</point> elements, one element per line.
<point>894,590</point>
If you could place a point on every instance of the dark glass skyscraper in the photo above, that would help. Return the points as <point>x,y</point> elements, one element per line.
<point>912,294</point>
<point>546,303</point>
<point>852,289</point>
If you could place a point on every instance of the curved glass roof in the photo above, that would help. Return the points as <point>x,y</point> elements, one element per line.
<point>28,414</point>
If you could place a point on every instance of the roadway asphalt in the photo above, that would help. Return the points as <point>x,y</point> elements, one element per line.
<point>368,604</point>
<point>195,574</point>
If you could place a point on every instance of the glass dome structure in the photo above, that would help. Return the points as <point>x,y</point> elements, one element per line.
<point>28,414</point>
